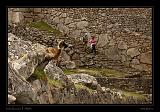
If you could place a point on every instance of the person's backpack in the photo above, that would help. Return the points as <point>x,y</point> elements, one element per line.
<point>85,38</point>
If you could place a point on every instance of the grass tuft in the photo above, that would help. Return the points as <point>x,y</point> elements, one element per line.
<point>96,72</point>
<point>80,86</point>
<point>69,72</point>
<point>136,95</point>
<point>130,93</point>
<point>55,83</point>
<point>39,74</point>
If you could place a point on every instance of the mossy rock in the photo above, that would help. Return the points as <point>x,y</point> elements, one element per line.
<point>81,86</point>
<point>41,75</point>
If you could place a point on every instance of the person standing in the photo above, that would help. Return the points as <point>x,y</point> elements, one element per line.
<point>93,43</point>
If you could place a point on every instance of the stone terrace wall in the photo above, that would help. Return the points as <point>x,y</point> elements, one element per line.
<point>98,20</point>
<point>125,34</point>
<point>130,84</point>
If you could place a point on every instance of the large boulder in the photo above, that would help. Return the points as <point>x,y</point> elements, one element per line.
<point>21,68</point>
<point>53,71</point>
<point>85,79</point>
<point>44,92</point>
<point>24,55</point>
<point>18,84</point>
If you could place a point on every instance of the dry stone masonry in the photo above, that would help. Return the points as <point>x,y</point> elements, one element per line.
<point>124,33</point>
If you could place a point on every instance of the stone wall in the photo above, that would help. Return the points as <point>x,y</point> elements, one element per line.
<point>143,85</point>
<point>125,34</point>
<point>17,15</point>
<point>92,20</point>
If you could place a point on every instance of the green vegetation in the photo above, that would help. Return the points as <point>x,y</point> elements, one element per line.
<point>96,72</point>
<point>39,74</point>
<point>80,86</point>
<point>129,93</point>
<point>41,25</point>
<point>111,73</point>
<point>134,94</point>
<point>55,83</point>
<point>69,72</point>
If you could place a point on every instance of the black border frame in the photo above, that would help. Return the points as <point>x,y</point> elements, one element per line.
<point>94,107</point>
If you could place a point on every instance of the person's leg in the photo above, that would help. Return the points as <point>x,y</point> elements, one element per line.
<point>94,49</point>
<point>85,45</point>
<point>91,48</point>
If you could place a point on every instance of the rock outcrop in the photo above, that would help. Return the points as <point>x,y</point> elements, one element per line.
<point>59,89</point>
<point>21,66</point>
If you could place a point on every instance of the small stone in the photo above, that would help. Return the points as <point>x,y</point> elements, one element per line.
<point>56,20</point>
<point>123,59</point>
<point>112,43</point>
<point>37,10</point>
<point>84,19</point>
<point>122,45</point>
<point>103,89</point>
<point>67,20</point>
<point>135,61</point>
<point>139,67</point>
<point>70,65</point>
<point>63,15</point>
<point>133,52</point>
